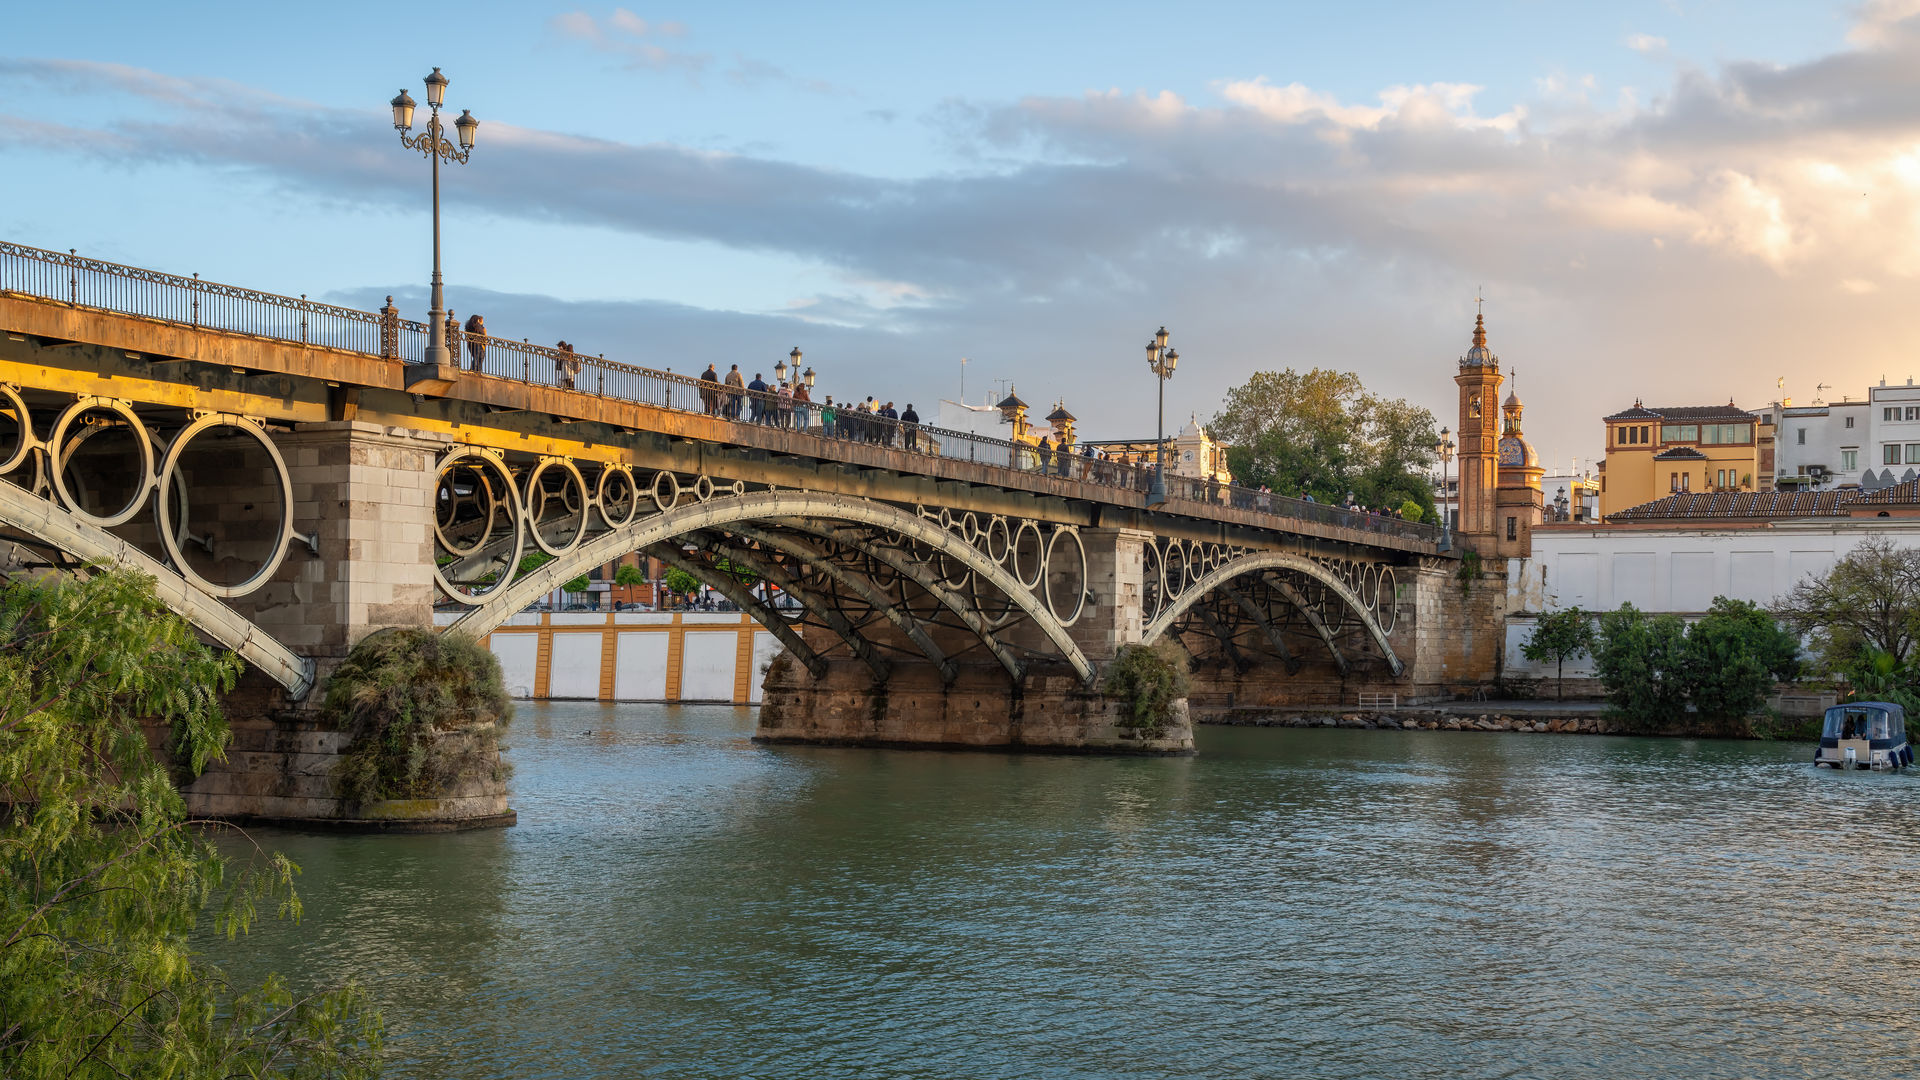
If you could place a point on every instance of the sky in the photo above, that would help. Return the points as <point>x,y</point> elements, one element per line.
<point>1668,200</point>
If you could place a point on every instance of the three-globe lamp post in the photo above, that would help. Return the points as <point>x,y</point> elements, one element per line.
<point>1161,360</point>
<point>432,142</point>
<point>1443,449</point>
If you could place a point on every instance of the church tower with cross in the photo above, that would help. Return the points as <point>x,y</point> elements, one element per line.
<point>1478,435</point>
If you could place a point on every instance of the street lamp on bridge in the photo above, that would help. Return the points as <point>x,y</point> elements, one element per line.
<point>433,144</point>
<point>1162,361</point>
<point>1443,449</point>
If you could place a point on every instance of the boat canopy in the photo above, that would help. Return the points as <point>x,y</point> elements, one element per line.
<point>1879,721</point>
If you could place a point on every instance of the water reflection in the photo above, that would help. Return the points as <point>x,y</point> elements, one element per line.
<point>680,902</point>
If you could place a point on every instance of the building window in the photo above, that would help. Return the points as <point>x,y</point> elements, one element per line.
<point>1849,459</point>
<point>1801,436</point>
<point>1913,453</point>
<point>1686,481</point>
<point>1673,481</point>
<point>1889,414</point>
<point>1670,433</point>
<point>1716,434</point>
<point>1849,421</point>
<point>1513,528</point>
<point>1644,432</point>
<point>1890,454</point>
<point>1913,412</point>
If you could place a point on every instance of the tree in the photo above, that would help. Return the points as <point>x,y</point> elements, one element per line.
<point>1559,636</point>
<point>1869,602</point>
<point>679,581</point>
<point>1641,661</point>
<point>629,575</point>
<point>102,876</point>
<point>1323,434</point>
<point>1735,654</point>
<point>577,585</point>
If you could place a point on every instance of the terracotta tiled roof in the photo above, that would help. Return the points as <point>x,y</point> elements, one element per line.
<point>1908,492</point>
<point>1743,504</point>
<point>1680,453</point>
<point>1726,413</point>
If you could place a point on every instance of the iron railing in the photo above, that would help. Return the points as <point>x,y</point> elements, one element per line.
<point>129,290</point>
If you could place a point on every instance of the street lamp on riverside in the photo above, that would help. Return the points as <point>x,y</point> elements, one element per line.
<point>1443,449</point>
<point>1162,361</point>
<point>433,144</point>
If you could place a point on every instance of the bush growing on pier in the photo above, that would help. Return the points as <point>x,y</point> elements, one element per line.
<point>102,876</point>
<point>423,712</point>
<point>1148,679</point>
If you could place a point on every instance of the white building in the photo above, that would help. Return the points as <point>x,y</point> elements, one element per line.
<point>1681,552</point>
<point>1872,442</point>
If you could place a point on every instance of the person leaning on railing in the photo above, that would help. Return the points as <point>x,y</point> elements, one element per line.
<point>784,403</point>
<point>802,406</point>
<point>477,341</point>
<point>710,390</point>
<point>829,418</point>
<point>566,366</point>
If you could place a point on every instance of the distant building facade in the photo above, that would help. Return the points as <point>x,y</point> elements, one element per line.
<point>1653,452</point>
<point>1190,452</point>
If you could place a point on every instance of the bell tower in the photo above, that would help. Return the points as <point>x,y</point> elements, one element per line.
<point>1479,435</point>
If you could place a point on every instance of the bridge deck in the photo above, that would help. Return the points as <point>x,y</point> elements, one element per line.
<point>156,320</point>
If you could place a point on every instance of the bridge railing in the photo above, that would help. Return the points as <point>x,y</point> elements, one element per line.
<point>130,290</point>
<point>190,301</point>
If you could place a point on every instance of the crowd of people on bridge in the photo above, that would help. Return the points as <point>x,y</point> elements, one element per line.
<point>788,404</point>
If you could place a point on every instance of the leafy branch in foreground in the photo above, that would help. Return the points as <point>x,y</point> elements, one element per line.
<point>102,876</point>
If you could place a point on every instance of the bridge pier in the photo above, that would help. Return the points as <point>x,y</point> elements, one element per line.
<point>366,492</point>
<point>1049,708</point>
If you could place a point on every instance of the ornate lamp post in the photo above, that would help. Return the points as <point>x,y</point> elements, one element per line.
<point>433,144</point>
<point>1560,505</point>
<point>1161,360</point>
<point>1443,449</point>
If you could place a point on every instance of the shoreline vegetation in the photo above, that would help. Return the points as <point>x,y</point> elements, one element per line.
<point>1598,720</point>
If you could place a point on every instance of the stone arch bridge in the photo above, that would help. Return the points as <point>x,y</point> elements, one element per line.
<point>295,479</point>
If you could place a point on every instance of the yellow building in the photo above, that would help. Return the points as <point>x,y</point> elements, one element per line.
<point>1653,453</point>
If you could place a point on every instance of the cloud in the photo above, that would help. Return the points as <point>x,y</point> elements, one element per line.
<point>1648,45</point>
<point>635,41</point>
<point>1674,243</point>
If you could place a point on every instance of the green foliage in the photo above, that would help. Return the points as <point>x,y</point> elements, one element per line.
<point>423,712</point>
<point>679,581</point>
<point>577,585</point>
<point>101,876</point>
<point>1735,654</point>
<point>1868,603</point>
<point>1149,678</point>
<point>1412,511</point>
<point>533,560</point>
<point>629,575</point>
<point>1323,434</point>
<point>1642,663</point>
<point>1469,571</point>
<point>1655,666</point>
<point>1877,676</point>
<point>1559,636</point>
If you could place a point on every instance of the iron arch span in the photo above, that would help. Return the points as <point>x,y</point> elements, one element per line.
<point>1267,562</point>
<point>814,514</point>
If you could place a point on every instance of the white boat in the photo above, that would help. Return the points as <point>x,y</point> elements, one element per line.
<point>1864,735</point>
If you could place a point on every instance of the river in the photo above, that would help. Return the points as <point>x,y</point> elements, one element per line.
<point>679,902</point>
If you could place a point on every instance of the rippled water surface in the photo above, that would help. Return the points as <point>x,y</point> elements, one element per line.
<point>678,902</point>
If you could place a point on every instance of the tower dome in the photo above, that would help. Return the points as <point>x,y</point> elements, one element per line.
<point>1480,355</point>
<point>1515,451</point>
